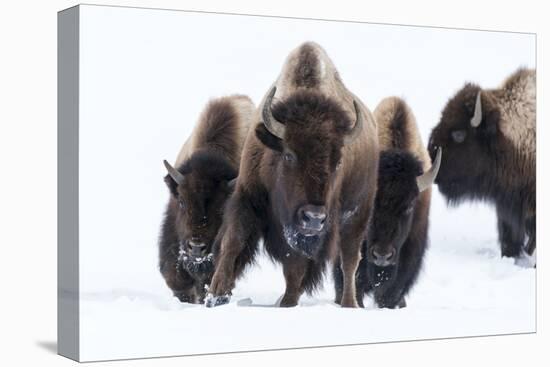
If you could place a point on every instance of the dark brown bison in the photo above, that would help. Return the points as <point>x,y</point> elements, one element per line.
<point>397,235</point>
<point>312,158</point>
<point>489,140</point>
<point>199,187</point>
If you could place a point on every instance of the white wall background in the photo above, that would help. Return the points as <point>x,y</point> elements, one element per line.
<point>28,120</point>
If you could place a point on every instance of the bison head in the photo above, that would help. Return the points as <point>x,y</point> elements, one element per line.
<point>199,189</point>
<point>400,181</point>
<point>468,132</point>
<point>306,132</point>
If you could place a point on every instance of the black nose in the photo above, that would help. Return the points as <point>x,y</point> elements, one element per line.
<point>312,217</point>
<point>382,257</point>
<point>197,248</point>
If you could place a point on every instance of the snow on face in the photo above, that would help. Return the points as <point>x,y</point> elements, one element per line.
<point>305,245</point>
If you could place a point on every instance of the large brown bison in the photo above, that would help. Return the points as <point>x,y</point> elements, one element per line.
<point>307,182</point>
<point>397,235</point>
<point>489,140</point>
<point>206,168</point>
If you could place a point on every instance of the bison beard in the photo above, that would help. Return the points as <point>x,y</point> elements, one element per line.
<point>201,268</point>
<point>381,275</point>
<point>307,246</point>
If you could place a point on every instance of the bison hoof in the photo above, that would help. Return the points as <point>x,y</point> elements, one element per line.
<point>184,297</point>
<point>288,303</point>
<point>213,301</point>
<point>349,303</point>
<point>526,261</point>
<point>402,303</point>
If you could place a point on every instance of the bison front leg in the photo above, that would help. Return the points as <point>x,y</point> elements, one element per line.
<point>392,297</point>
<point>362,285</point>
<point>531,225</point>
<point>238,239</point>
<point>338,278</point>
<point>294,270</point>
<point>178,280</point>
<point>511,233</point>
<point>351,239</point>
<point>350,257</point>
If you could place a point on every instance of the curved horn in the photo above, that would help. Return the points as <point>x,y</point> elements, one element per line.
<point>176,176</point>
<point>426,180</point>
<point>476,119</point>
<point>356,131</point>
<point>271,124</point>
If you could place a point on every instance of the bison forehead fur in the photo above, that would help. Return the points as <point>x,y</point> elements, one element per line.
<point>397,186</point>
<point>315,123</point>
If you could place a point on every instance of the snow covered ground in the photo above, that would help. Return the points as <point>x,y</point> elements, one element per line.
<point>466,289</point>
<point>142,87</point>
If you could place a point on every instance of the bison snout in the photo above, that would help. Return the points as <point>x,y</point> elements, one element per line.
<point>197,248</point>
<point>311,218</point>
<point>383,257</point>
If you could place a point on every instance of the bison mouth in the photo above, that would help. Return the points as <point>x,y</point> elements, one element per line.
<point>305,244</point>
<point>198,266</point>
<point>379,276</point>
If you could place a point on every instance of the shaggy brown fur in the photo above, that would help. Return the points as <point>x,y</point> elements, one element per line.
<point>209,161</point>
<point>307,73</point>
<point>495,161</point>
<point>310,165</point>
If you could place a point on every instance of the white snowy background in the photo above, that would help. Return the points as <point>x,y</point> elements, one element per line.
<point>145,77</point>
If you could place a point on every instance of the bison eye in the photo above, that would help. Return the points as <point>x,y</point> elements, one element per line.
<point>181,204</point>
<point>289,157</point>
<point>459,136</point>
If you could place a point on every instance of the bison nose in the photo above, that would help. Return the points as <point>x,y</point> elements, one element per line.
<point>197,248</point>
<point>312,217</point>
<point>383,257</point>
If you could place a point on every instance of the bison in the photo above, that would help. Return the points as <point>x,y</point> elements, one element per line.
<point>199,186</point>
<point>489,139</point>
<point>306,184</point>
<point>397,235</point>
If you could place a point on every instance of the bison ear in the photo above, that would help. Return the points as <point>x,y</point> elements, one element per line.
<point>486,114</point>
<point>172,185</point>
<point>268,139</point>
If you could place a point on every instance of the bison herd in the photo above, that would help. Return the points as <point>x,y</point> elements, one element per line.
<point>322,182</point>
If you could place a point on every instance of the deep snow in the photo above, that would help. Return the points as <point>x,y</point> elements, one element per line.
<point>142,87</point>
<point>465,289</point>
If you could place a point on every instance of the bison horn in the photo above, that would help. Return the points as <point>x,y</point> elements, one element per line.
<point>356,131</point>
<point>271,124</point>
<point>425,180</point>
<point>476,119</point>
<point>176,176</point>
